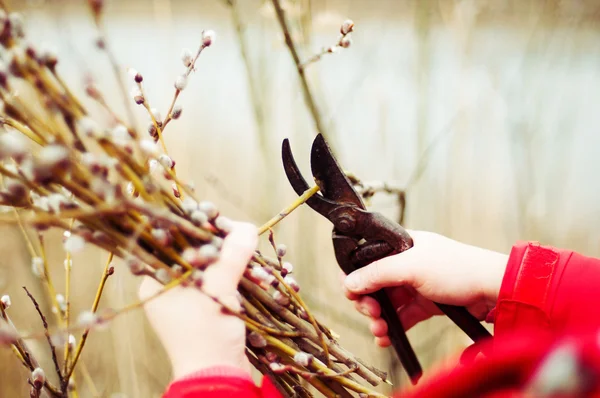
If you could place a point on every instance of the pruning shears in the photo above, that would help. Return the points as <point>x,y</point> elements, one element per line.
<point>361,237</point>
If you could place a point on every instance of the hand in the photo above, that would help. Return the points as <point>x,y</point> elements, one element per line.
<point>191,326</point>
<point>435,269</point>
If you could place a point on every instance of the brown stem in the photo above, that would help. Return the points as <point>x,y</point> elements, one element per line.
<point>305,327</point>
<point>311,318</point>
<point>325,51</point>
<point>283,384</point>
<point>326,372</point>
<point>302,305</point>
<point>52,347</point>
<point>370,188</point>
<point>24,354</point>
<point>310,375</point>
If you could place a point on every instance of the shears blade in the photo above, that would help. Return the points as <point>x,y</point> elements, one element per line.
<point>330,177</point>
<point>317,202</point>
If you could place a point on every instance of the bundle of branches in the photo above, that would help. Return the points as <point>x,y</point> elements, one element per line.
<point>117,189</point>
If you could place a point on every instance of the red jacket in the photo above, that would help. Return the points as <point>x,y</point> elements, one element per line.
<point>547,305</point>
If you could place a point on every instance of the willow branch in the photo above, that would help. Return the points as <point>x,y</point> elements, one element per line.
<point>283,213</point>
<point>107,272</point>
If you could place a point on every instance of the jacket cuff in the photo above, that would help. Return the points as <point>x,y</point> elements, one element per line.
<point>220,382</point>
<point>218,371</point>
<point>526,288</point>
<point>213,382</point>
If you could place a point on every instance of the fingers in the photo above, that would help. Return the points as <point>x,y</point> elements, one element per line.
<point>368,306</point>
<point>351,296</point>
<point>400,296</point>
<point>391,271</point>
<point>379,327</point>
<point>410,314</point>
<point>222,277</point>
<point>413,313</point>
<point>383,341</point>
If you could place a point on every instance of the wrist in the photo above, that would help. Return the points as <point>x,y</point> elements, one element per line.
<point>494,269</point>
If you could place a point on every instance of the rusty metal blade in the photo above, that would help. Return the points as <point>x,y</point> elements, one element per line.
<point>329,176</point>
<point>316,202</point>
<point>292,171</point>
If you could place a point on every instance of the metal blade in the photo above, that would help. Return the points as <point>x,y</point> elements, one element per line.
<point>291,169</point>
<point>329,176</point>
<point>316,202</point>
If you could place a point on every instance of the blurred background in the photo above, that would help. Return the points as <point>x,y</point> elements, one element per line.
<point>487,113</point>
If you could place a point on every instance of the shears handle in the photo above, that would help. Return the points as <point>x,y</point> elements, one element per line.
<point>464,320</point>
<point>398,337</point>
<point>349,260</point>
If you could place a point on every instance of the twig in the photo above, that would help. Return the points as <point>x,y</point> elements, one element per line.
<point>305,327</point>
<point>112,314</point>
<point>310,375</point>
<point>47,333</point>
<point>158,125</point>
<point>28,241</point>
<point>368,189</point>
<point>308,96</point>
<point>27,358</point>
<point>107,272</point>
<point>283,213</point>
<point>322,368</point>
<point>284,388</point>
<point>190,68</point>
<point>301,304</point>
<point>46,276</point>
<point>67,313</point>
<point>310,316</point>
<point>343,42</point>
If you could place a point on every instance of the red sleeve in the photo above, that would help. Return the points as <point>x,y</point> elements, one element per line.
<point>551,290</point>
<point>221,382</point>
<point>548,298</point>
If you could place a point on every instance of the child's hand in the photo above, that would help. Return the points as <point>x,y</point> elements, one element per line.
<point>191,327</point>
<point>436,269</point>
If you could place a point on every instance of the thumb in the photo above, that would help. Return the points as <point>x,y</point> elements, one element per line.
<point>222,277</point>
<point>392,271</point>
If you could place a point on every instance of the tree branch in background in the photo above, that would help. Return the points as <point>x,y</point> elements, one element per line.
<point>343,42</point>
<point>368,189</point>
<point>308,95</point>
